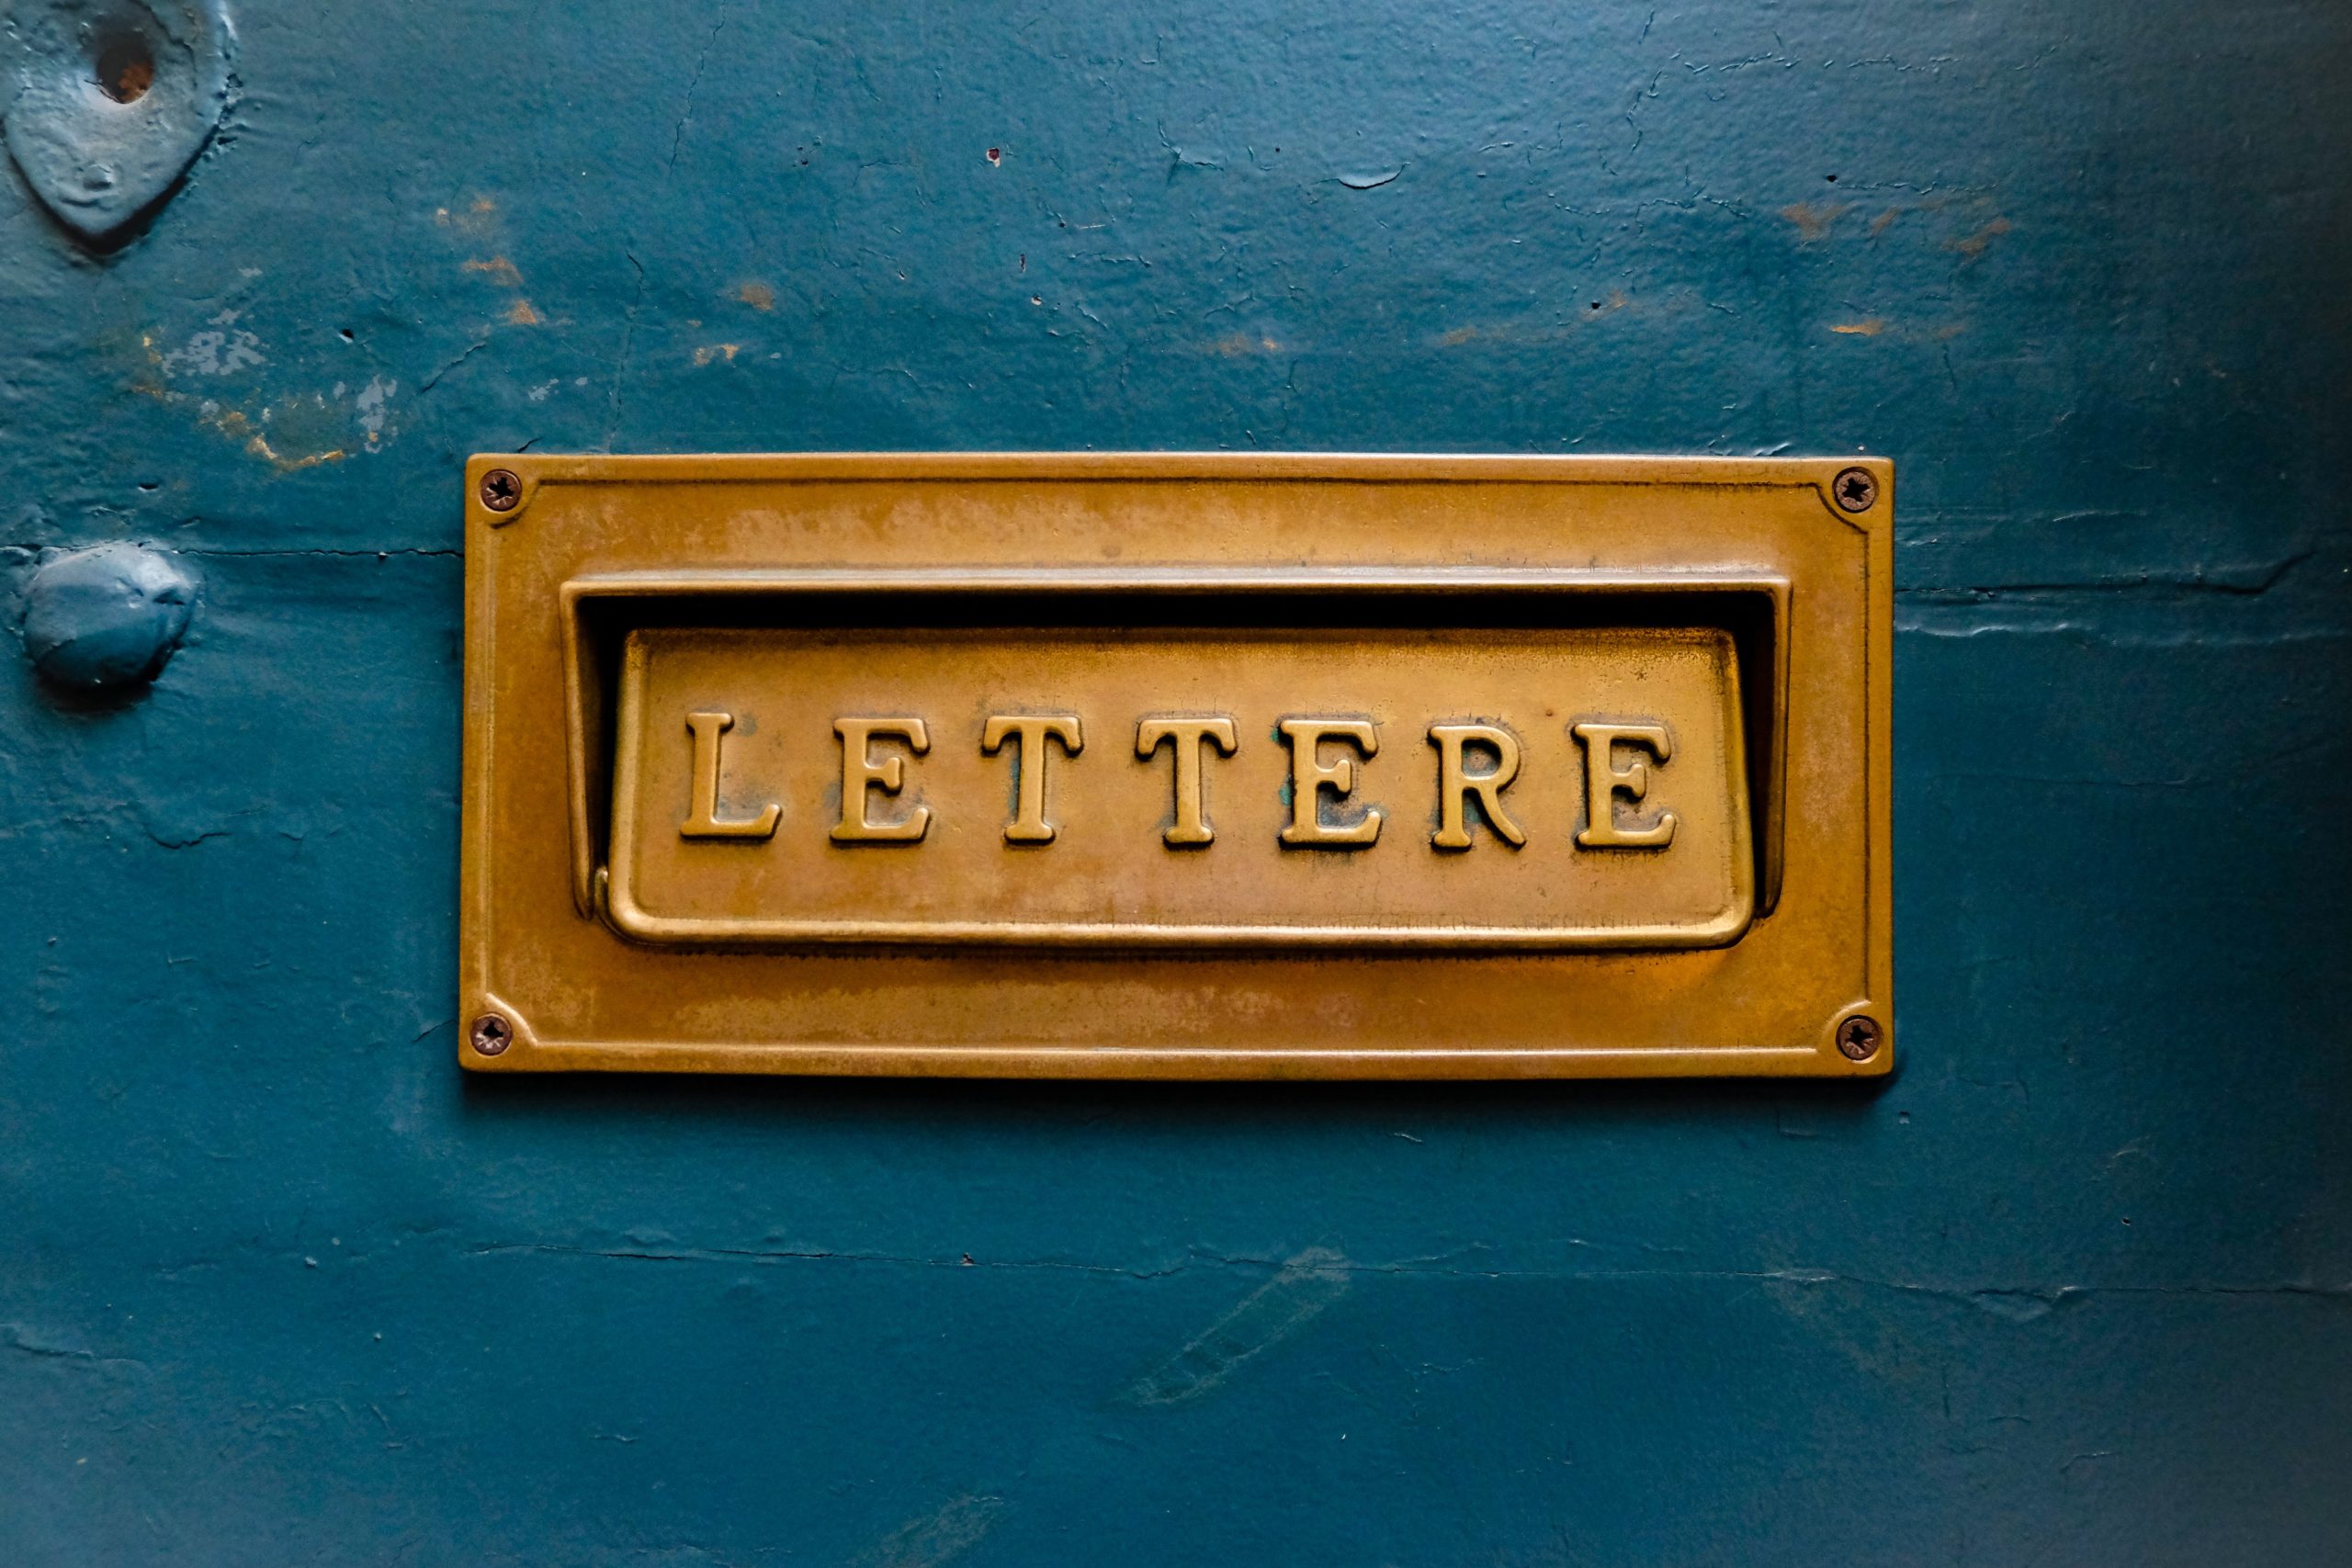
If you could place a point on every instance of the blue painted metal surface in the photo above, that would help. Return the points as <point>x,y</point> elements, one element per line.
<point>279,1284</point>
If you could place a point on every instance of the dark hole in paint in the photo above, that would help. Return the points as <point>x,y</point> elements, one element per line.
<point>996,155</point>
<point>345,334</point>
<point>1833,179</point>
<point>126,68</point>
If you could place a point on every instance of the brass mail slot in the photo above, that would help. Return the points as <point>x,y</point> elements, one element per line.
<point>1176,766</point>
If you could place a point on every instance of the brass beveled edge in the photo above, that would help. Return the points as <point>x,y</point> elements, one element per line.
<point>668,931</point>
<point>626,916</point>
<point>536,468</point>
<point>754,581</point>
<point>1410,468</point>
<point>1171,579</point>
<point>815,1058</point>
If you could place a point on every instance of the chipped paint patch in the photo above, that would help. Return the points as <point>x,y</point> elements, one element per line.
<point>287,431</point>
<point>222,350</point>
<point>1976,244</point>
<point>498,269</point>
<point>1813,219</point>
<point>370,407</point>
<point>717,352</point>
<point>1308,1284</point>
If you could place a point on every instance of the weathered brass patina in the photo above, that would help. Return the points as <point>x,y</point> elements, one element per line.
<point>1175,765</point>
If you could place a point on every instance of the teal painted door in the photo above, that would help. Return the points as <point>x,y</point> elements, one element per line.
<point>280,1284</point>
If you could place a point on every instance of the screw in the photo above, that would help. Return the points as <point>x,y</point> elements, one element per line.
<point>1856,489</point>
<point>493,1035</point>
<point>1858,1037</point>
<point>502,491</point>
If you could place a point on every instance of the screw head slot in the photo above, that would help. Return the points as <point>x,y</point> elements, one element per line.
<point>1856,489</point>
<point>492,1034</point>
<point>1859,1037</point>
<point>502,490</point>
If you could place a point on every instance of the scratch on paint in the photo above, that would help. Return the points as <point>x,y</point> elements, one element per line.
<point>1870,328</point>
<point>1307,1284</point>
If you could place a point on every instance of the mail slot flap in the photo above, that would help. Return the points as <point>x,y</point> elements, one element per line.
<point>1596,685</point>
<point>1502,785</point>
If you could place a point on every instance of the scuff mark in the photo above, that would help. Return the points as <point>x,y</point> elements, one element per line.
<point>937,1538</point>
<point>2021,1307</point>
<point>621,361</point>
<point>16,1337</point>
<point>1308,1284</point>
<point>1370,182</point>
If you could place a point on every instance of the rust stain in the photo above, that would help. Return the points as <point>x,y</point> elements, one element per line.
<point>1870,328</point>
<point>1458,336</point>
<point>479,216</point>
<point>498,269</point>
<point>235,425</point>
<point>1884,220</point>
<point>1976,244</point>
<point>521,315</point>
<point>1813,220</point>
<point>712,351</point>
<point>758,296</point>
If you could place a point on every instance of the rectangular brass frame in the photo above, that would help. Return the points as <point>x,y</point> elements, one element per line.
<point>611,537</point>
<point>585,723</point>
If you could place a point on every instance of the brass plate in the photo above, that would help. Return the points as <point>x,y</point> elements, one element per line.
<point>750,782</point>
